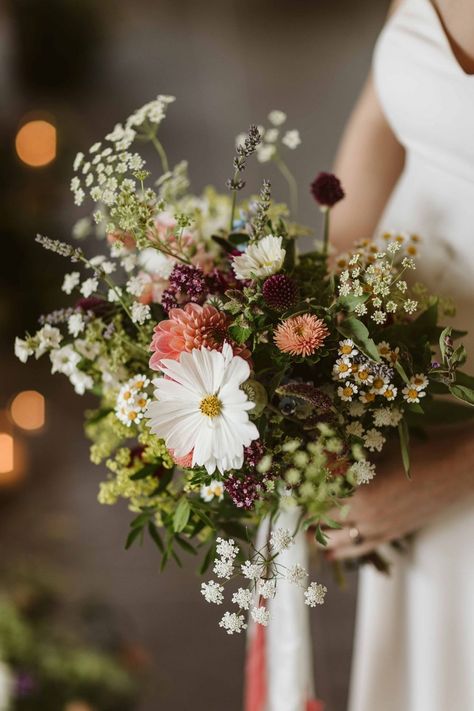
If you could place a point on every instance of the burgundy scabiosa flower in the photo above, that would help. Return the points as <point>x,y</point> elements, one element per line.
<point>280,292</point>
<point>327,190</point>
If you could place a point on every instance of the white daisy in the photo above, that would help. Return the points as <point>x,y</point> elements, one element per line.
<point>347,392</point>
<point>347,348</point>
<point>262,259</point>
<point>419,381</point>
<point>200,407</point>
<point>411,394</point>
<point>213,490</point>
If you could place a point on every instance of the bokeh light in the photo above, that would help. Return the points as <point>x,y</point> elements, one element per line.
<point>28,410</point>
<point>36,143</point>
<point>7,454</point>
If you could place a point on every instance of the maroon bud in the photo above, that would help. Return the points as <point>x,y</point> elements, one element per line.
<point>327,190</point>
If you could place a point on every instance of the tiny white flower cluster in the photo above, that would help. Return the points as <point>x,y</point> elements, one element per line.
<point>263,571</point>
<point>267,150</point>
<point>374,276</point>
<point>64,359</point>
<point>132,400</point>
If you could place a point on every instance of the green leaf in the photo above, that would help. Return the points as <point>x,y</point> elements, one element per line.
<point>319,536</point>
<point>444,333</point>
<point>404,446</point>
<point>132,536</point>
<point>357,331</point>
<point>208,558</point>
<point>401,372</point>
<point>181,515</point>
<point>240,333</point>
<point>140,520</point>
<point>464,379</point>
<point>331,523</point>
<point>462,392</point>
<point>185,545</point>
<point>348,303</point>
<point>153,531</point>
<point>145,471</point>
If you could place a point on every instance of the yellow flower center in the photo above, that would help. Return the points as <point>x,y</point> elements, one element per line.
<point>412,394</point>
<point>378,383</point>
<point>210,406</point>
<point>347,392</point>
<point>363,374</point>
<point>388,394</point>
<point>346,350</point>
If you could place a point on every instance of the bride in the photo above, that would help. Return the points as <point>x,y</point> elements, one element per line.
<point>407,163</point>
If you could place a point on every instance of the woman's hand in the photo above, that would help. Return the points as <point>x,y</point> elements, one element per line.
<point>391,506</point>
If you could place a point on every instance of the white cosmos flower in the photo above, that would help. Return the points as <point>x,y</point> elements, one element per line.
<point>200,407</point>
<point>261,259</point>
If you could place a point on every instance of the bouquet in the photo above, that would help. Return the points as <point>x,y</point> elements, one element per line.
<point>235,378</point>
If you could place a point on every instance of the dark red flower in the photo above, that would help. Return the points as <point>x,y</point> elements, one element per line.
<point>327,190</point>
<point>280,292</point>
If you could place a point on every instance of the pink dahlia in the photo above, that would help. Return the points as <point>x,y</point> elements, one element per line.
<point>301,335</point>
<point>192,327</point>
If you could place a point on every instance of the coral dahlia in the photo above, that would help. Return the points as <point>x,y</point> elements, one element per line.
<point>192,327</point>
<point>301,335</point>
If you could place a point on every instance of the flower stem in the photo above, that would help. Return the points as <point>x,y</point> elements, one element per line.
<point>326,212</point>
<point>292,184</point>
<point>234,202</point>
<point>161,152</point>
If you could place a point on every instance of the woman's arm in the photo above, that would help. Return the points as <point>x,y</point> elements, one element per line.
<point>368,163</point>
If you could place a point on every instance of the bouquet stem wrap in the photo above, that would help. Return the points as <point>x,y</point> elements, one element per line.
<point>279,668</point>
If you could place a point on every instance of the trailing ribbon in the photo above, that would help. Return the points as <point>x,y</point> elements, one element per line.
<point>278,673</point>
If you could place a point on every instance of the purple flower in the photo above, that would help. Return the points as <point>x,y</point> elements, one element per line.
<point>243,490</point>
<point>280,292</point>
<point>189,281</point>
<point>327,190</point>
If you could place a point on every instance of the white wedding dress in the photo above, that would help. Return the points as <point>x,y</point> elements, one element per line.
<point>414,648</point>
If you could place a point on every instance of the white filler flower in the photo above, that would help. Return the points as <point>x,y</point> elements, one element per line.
<point>262,259</point>
<point>201,408</point>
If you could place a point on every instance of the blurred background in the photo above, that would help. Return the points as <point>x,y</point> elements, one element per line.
<point>70,69</point>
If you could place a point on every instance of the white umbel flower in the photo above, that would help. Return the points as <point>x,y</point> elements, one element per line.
<point>212,592</point>
<point>262,259</point>
<point>233,623</point>
<point>243,598</point>
<point>281,539</point>
<point>315,594</point>
<point>260,615</point>
<point>200,407</point>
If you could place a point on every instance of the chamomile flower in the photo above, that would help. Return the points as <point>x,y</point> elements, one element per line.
<point>366,397</point>
<point>379,384</point>
<point>214,490</point>
<point>384,349</point>
<point>419,381</point>
<point>390,393</point>
<point>342,368</point>
<point>347,348</point>
<point>363,375</point>
<point>346,392</point>
<point>411,394</point>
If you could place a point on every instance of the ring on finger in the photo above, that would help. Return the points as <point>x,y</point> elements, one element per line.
<point>355,535</point>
